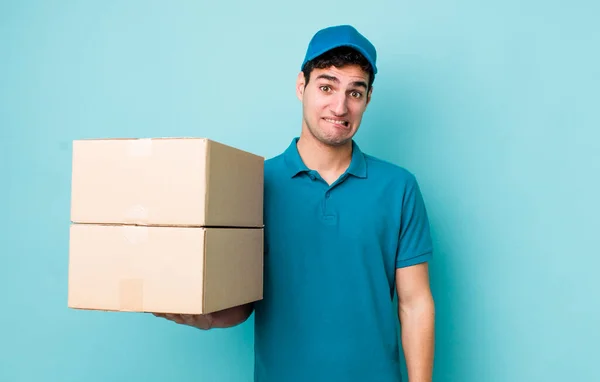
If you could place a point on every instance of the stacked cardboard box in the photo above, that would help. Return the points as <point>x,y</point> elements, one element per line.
<point>170,225</point>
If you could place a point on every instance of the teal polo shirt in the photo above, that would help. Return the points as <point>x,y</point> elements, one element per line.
<point>331,252</point>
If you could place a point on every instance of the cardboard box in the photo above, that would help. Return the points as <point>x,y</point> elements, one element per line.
<point>164,269</point>
<point>167,225</point>
<point>167,181</point>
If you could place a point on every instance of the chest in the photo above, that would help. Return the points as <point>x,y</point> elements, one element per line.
<point>309,222</point>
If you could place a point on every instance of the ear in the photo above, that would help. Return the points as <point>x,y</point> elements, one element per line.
<point>300,84</point>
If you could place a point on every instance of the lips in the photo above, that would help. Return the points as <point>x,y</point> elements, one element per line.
<point>336,121</point>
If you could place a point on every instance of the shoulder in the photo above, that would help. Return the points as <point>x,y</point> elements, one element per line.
<point>387,171</point>
<point>274,168</point>
<point>274,164</point>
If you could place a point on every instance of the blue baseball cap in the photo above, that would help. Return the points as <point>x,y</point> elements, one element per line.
<point>337,36</point>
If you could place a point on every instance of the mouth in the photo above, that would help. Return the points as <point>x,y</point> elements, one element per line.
<point>337,122</point>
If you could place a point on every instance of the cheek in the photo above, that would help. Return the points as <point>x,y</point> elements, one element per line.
<point>319,103</point>
<point>355,112</point>
<point>316,107</point>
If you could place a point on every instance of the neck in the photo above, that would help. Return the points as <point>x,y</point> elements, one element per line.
<point>329,161</point>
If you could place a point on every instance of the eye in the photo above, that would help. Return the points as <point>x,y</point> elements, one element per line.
<point>325,88</point>
<point>356,94</point>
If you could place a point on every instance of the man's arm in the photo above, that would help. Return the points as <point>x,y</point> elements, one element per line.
<point>416,311</point>
<point>222,319</point>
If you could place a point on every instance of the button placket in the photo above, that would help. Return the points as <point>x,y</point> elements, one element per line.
<point>329,216</point>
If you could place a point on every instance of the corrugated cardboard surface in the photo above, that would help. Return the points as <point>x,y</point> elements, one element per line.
<point>235,187</point>
<point>169,181</point>
<point>164,269</point>
<point>233,267</point>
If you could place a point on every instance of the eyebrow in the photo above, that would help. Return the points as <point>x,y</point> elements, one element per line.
<point>360,84</point>
<point>335,79</point>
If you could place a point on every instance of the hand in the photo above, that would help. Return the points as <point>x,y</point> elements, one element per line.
<point>200,321</point>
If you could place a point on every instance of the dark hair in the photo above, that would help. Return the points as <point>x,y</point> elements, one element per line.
<point>339,57</point>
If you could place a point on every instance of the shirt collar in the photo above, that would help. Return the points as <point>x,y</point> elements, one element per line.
<point>295,165</point>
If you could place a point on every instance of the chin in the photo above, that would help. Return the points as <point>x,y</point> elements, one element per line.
<point>335,141</point>
<point>332,136</point>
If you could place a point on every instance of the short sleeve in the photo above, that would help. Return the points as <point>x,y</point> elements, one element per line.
<point>414,244</point>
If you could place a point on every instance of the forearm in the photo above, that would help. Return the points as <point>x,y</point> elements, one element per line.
<point>418,333</point>
<point>230,317</point>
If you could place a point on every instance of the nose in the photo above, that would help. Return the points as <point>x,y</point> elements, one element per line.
<point>339,106</point>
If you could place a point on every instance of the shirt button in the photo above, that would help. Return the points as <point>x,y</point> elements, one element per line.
<point>327,195</point>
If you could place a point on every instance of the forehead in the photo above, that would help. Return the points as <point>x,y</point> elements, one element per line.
<point>344,75</point>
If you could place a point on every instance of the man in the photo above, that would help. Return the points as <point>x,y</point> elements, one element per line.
<point>343,232</point>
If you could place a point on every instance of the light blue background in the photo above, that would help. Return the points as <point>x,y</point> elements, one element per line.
<point>493,105</point>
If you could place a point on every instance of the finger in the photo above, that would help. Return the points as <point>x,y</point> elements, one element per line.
<point>176,318</point>
<point>188,317</point>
